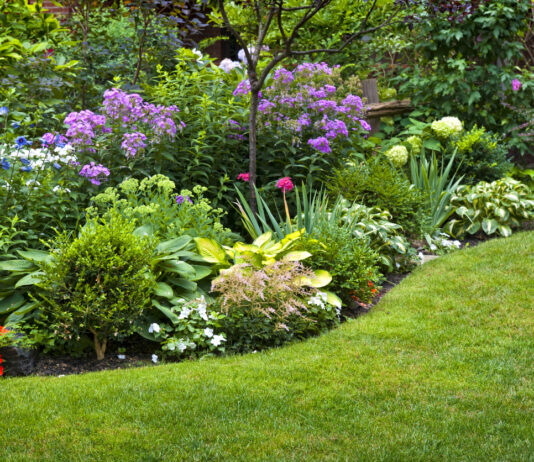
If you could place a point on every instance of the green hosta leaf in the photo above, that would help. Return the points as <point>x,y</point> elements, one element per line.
<point>210,250</point>
<point>145,230</point>
<point>489,225</point>
<point>263,239</point>
<point>501,213</point>
<point>297,255</point>
<point>472,228</point>
<point>20,314</point>
<point>34,255</point>
<point>11,303</point>
<point>166,311</point>
<point>333,299</point>
<point>200,272</point>
<point>505,231</point>
<point>163,290</point>
<point>30,279</point>
<point>322,278</point>
<point>16,265</point>
<point>173,245</point>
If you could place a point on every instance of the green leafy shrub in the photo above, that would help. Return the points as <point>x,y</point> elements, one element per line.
<point>154,204</point>
<point>98,283</point>
<point>481,156</point>
<point>377,183</point>
<point>490,208</point>
<point>270,306</point>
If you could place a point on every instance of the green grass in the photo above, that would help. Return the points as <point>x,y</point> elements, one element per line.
<point>442,369</point>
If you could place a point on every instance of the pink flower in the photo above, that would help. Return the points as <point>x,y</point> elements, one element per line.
<point>516,85</point>
<point>243,176</point>
<point>285,184</point>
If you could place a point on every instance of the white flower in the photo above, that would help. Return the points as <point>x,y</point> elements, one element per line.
<point>199,54</point>
<point>201,308</point>
<point>121,356</point>
<point>208,332</point>
<point>154,359</point>
<point>184,314</point>
<point>433,247</point>
<point>447,127</point>
<point>227,65</point>
<point>217,340</point>
<point>154,327</point>
<point>457,244</point>
<point>397,264</point>
<point>182,346</point>
<point>398,155</point>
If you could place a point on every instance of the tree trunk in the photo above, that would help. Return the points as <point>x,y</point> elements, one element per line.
<point>100,347</point>
<point>252,130</point>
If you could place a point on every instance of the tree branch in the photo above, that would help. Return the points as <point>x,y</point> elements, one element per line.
<point>233,31</point>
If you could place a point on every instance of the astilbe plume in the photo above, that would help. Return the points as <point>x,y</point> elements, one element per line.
<point>273,291</point>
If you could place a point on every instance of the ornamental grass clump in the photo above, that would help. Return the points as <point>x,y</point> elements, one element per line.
<point>99,283</point>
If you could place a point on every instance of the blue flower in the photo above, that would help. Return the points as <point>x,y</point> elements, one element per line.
<point>25,161</point>
<point>180,199</point>
<point>21,142</point>
<point>5,164</point>
<point>15,125</point>
<point>28,168</point>
<point>56,166</point>
<point>4,110</point>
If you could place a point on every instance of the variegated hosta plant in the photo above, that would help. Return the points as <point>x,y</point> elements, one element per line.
<point>492,208</point>
<point>262,252</point>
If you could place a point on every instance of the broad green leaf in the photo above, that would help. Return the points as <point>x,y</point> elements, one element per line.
<point>173,245</point>
<point>34,255</point>
<point>297,255</point>
<point>163,290</point>
<point>473,227</point>
<point>30,279</point>
<point>333,299</point>
<point>489,226</point>
<point>16,265</point>
<point>210,250</point>
<point>263,239</point>
<point>167,312</point>
<point>11,303</point>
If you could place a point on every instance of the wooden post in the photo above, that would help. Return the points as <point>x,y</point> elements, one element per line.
<point>370,93</point>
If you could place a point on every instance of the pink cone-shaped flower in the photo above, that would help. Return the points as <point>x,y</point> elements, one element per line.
<point>516,85</point>
<point>285,184</point>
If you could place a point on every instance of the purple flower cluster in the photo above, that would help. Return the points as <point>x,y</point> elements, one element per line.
<point>122,114</point>
<point>307,102</point>
<point>132,142</point>
<point>94,173</point>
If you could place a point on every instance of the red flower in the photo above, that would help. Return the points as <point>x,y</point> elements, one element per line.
<point>370,284</point>
<point>285,184</point>
<point>244,176</point>
<point>3,330</point>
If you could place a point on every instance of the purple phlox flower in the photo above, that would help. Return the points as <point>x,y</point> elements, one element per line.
<point>243,88</point>
<point>94,173</point>
<point>516,85</point>
<point>180,199</point>
<point>132,142</point>
<point>82,126</point>
<point>334,128</point>
<point>284,75</point>
<point>353,101</point>
<point>321,144</point>
<point>323,105</point>
<point>265,105</point>
<point>48,139</point>
<point>330,88</point>
<point>365,125</point>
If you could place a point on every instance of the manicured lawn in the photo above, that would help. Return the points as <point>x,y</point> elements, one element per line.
<point>441,369</point>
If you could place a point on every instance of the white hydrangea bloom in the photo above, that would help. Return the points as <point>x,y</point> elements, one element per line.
<point>154,327</point>
<point>447,127</point>
<point>398,155</point>
<point>227,65</point>
<point>416,144</point>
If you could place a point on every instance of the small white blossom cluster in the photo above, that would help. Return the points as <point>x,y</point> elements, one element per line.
<point>398,155</point>
<point>447,127</point>
<point>41,157</point>
<point>318,300</point>
<point>227,65</point>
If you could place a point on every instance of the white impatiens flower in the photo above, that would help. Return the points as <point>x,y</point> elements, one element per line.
<point>184,314</point>
<point>154,358</point>
<point>217,340</point>
<point>121,356</point>
<point>398,155</point>
<point>202,307</point>
<point>208,332</point>
<point>227,65</point>
<point>447,127</point>
<point>154,327</point>
<point>318,300</point>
